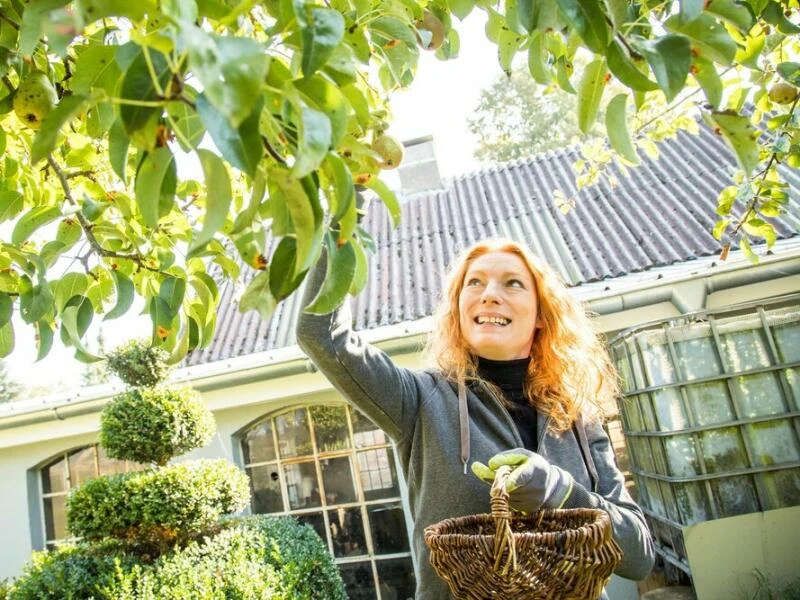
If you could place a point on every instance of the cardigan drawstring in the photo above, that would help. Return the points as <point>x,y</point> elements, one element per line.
<point>463,419</point>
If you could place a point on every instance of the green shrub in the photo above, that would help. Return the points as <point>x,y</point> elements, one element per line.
<point>152,425</point>
<point>254,557</point>
<point>138,364</point>
<point>158,507</point>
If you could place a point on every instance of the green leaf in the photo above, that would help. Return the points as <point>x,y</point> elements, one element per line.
<point>670,58</point>
<point>773,14</point>
<point>95,67</point>
<point>705,73</point>
<point>527,14</point>
<point>591,89</point>
<point>537,65</point>
<point>35,303</point>
<point>564,70</point>
<point>387,28</point>
<point>6,309</point>
<point>218,197</point>
<point>759,228</point>
<point>313,142</point>
<point>32,220</point>
<point>719,228</point>
<point>44,339</point>
<point>345,191</point>
<point>360,275</point>
<point>241,147</point>
<point>125,294</point>
<point>338,279</point>
<point>508,44</point>
<point>624,69</point>
<point>305,216</point>
<point>711,38</point>
<point>737,13</point>
<point>66,288</point>
<point>245,218</point>
<point>388,197</point>
<point>6,339</point>
<point>187,122</point>
<point>137,85</point>
<point>258,297</point>
<point>588,20</point>
<point>617,127</point>
<point>45,139</point>
<point>94,10</point>
<point>461,8</point>
<point>790,71</point>
<point>282,278</point>
<point>172,291</point>
<point>118,143</point>
<point>34,17</point>
<point>321,30</point>
<point>740,134</point>
<point>326,97</point>
<point>691,9</point>
<point>149,181</point>
<point>75,320</point>
<point>231,69</point>
<point>11,203</point>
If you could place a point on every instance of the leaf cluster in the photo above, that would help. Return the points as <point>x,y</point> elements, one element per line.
<point>139,364</point>
<point>153,425</point>
<point>254,557</point>
<point>158,507</point>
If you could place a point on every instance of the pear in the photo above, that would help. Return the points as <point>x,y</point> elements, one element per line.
<point>431,23</point>
<point>34,99</point>
<point>782,93</point>
<point>389,150</point>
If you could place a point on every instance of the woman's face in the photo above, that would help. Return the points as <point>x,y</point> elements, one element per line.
<point>498,307</point>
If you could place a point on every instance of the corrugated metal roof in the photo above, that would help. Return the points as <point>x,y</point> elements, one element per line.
<point>660,214</point>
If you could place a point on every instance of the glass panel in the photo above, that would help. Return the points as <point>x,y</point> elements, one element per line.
<point>330,428</point>
<point>317,521</point>
<point>302,487</point>
<point>692,501</point>
<point>648,415</point>
<point>388,525</point>
<point>109,466</point>
<point>744,346</point>
<point>643,453</point>
<point>294,437</point>
<point>783,488</point>
<point>265,488</point>
<point>773,443</point>
<point>735,495</point>
<point>396,577</point>
<point>697,356</point>
<point>793,379</point>
<point>759,394</point>
<point>55,518</point>
<point>682,456</point>
<point>365,432</point>
<point>82,466</point>
<point>54,477</point>
<point>377,472</point>
<point>337,480</point>
<point>723,450</point>
<point>347,532</point>
<point>786,335</point>
<point>258,445</point>
<point>358,581</point>
<point>669,410</point>
<point>710,402</point>
<point>656,503</point>
<point>657,363</point>
<point>659,456</point>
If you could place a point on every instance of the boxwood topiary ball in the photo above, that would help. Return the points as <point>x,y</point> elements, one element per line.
<point>152,425</point>
<point>138,364</point>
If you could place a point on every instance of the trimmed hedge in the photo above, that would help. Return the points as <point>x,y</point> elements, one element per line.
<point>152,425</point>
<point>252,558</point>
<point>138,364</point>
<point>161,506</point>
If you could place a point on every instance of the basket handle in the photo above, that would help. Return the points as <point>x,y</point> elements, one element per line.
<point>503,536</point>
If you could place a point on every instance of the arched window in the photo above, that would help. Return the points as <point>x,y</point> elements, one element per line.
<point>67,471</point>
<point>334,469</point>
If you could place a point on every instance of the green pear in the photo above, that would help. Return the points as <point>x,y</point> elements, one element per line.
<point>783,93</point>
<point>390,151</point>
<point>34,99</point>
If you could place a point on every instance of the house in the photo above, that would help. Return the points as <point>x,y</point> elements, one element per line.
<point>637,253</point>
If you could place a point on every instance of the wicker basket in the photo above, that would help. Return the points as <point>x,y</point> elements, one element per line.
<point>549,555</point>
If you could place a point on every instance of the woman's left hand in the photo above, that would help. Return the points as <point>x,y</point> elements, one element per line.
<point>533,482</point>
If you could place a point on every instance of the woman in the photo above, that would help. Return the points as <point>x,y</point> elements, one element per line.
<point>534,380</point>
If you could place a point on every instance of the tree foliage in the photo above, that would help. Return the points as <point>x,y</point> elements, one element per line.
<point>9,388</point>
<point>278,103</point>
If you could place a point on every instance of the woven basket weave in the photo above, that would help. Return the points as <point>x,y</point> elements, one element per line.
<point>548,555</point>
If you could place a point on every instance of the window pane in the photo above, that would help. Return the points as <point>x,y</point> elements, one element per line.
<point>723,450</point>
<point>787,335</point>
<point>655,354</point>
<point>388,524</point>
<point>82,466</point>
<point>773,443</point>
<point>365,432</point>
<point>337,480</point>
<point>55,518</point>
<point>54,477</point>
<point>316,521</point>
<point>347,532</point>
<point>330,428</point>
<point>682,456</point>
<point>696,354</point>
<point>710,402</point>
<point>257,445</point>
<point>669,410</point>
<point>294,437</point>
<point>377,473</point>
<point>302,487</point>
<point>265,488</point>
<point>743,344</point>
<point>109,466</point>
<point>358,581</point>
<point>396,577</point>
<point>759,394</point>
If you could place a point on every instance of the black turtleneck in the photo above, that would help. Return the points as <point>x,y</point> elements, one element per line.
<point>509,376</point>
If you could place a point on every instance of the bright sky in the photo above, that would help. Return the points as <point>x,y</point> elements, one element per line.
<point>443,95</point>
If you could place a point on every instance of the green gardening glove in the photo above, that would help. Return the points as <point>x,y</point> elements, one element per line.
<point>533,483</point>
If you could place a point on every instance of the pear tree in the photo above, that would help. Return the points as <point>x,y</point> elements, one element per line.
<point>282,105</point>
